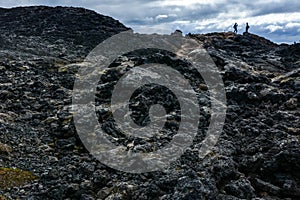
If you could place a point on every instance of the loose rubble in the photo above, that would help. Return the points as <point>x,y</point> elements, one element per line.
<point>256,157</point>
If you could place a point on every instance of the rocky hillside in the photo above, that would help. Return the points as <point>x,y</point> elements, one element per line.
<point>41,156</point>
<point>60,32</point>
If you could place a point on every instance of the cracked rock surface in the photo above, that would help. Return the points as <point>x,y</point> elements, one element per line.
<point>257,155</point>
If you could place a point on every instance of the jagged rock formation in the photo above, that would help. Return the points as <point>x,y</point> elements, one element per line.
<point>262,84</point>
<point>257,156</point>
<point>59,32</point>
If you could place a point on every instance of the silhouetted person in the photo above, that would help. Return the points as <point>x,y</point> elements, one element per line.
<point>235,27</point>
<point>247,27</point>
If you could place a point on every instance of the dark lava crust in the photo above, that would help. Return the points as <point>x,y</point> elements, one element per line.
<point>256,157</point>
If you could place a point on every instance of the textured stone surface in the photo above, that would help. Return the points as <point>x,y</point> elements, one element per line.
<point>257,155</point>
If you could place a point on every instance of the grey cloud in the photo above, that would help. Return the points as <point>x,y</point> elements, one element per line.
<point>199,17</point>
<point>278,7</point>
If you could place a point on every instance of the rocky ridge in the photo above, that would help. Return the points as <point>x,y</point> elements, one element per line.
<point>257,156</point>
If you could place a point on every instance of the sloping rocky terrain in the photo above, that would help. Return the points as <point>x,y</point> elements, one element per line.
<point>41,156</point>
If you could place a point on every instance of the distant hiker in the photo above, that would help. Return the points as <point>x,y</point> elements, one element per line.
<point>247,27</point>
<point>235,27</point>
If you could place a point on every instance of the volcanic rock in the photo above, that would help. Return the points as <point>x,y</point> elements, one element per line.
<point>257,155</point>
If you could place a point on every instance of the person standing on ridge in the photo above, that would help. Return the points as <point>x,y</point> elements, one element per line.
<point>235,27</point>
<point>247,27</point>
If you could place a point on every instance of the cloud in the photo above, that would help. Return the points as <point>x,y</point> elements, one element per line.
<point>277,20</point>
<point>190,3</point>
<point>292,25</point>
<point>274,28</point>
<point>158,17</point>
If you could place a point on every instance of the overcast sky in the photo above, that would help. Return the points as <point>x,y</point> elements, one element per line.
<point>277,20</point>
